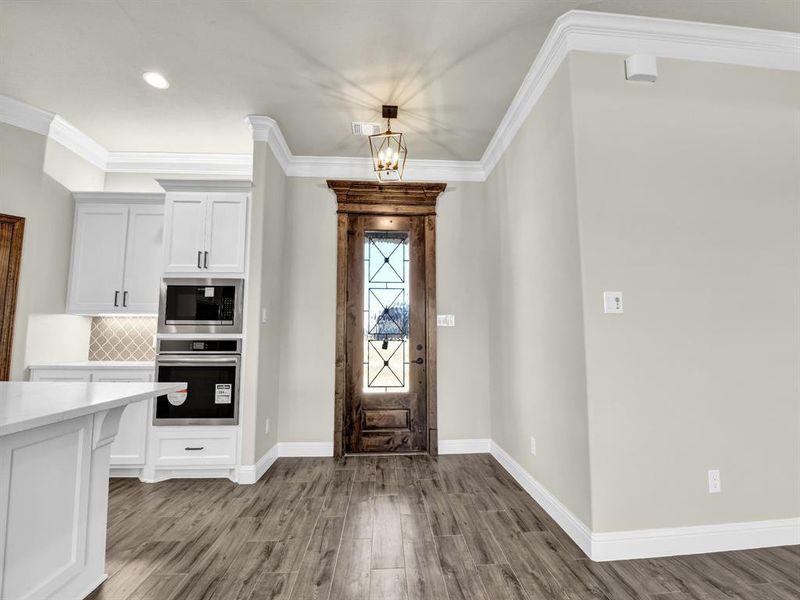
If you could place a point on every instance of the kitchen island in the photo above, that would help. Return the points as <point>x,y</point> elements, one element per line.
<point>54,465</point>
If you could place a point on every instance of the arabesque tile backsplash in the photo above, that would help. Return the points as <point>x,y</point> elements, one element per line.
<point>122,338</point>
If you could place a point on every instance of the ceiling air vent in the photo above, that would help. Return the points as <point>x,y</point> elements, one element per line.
<point>362,128</point>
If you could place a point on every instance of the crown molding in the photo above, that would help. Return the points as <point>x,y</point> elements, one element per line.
<point>628,34</point>
<point>16,113</point>
<point>166,163</point>
<point>573,31</point>
<point>72,138</point>
<point>205,185</point>
<point>125,197</point>
<point>266,129</point>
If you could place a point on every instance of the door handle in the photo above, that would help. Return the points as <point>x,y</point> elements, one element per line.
<point>199,259</point>
<point>125,298</point>
<point>116,297</point>
<point>205,259</point>
<point>419,361</point>
<point>193,448</point>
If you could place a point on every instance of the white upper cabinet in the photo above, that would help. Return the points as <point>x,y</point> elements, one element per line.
<point>116,253</point>
<point>226,226</point>
<point>186,226</point>
<point>206,226</point>
<point>98,258</point>
<point>142,281</point>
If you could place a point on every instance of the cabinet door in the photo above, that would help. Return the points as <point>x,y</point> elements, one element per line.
<point>184,239</point>
<point>98,259</point>
<point>129,448</point>
<point>60,375</point>
<point>226,226</point>
<point>143,259</point>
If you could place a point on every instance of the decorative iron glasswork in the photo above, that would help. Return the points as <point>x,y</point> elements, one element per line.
<point>386,306</point>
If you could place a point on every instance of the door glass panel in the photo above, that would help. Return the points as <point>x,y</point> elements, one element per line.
<point>386,311</point>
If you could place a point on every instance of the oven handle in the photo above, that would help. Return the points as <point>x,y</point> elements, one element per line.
<point>194,360</point>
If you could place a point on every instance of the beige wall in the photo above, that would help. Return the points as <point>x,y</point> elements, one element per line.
<point>308,334</point>
<point>36,176</point>
<point>309,313</point>
<point>689,195</point>
<point>270,190</point>
<point>538,385</point>
<point>461,289</point>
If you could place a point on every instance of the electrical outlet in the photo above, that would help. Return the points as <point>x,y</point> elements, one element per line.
<point>714,482</point>
<point>266,426</point>
<point>533,445</point>
<point>612,303</point>
<point>445,320</point>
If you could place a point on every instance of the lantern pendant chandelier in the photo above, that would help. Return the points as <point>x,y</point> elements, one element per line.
<point>388,150</point>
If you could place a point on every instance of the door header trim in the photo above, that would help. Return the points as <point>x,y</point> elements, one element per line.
<point>371,198</point>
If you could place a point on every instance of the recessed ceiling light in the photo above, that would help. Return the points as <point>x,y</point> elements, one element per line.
<point>157,80</point>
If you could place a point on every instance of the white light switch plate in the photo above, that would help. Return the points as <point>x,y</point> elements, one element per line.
<point>612,302</point>
<point>446,320</point>
<point>714,481</point>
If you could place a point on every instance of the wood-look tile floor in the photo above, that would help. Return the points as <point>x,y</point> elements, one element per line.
<point>401,527</point>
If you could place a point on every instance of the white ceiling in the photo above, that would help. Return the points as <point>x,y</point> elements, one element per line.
<point>452,66</point>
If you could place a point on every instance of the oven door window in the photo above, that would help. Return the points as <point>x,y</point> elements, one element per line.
<point>211,392</point>
<point>204,304</point>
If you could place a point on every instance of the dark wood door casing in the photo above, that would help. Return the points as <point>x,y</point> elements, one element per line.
<point>11,232</point>
<point>359,203</point>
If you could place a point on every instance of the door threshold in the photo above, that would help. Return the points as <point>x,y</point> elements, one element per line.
<point>386,454</point>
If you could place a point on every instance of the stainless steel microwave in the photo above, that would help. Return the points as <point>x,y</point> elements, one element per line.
<point>193,305</point>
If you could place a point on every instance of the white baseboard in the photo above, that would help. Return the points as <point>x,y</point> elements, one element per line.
<point>305,449</point>
<point>673,541</point>
<point>248,474</point>
<point>575,528</point>
<point>125,472</point>
<point>651,543</point>
<point>163,474</point>
<point>474,446</point>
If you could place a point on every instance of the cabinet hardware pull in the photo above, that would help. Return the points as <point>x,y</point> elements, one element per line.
<point>125,298</point>
<point>419,361</point>
<point>193,448</point>
<point>205,259</point>
<point>116,298</point>
<point>199,255</point>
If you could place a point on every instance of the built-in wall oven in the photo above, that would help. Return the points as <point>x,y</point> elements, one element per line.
<point>210,367</point>
<point>191,305</point>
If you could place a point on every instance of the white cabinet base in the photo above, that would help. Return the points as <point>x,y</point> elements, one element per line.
<point>67,505</point>
<point>152,453</point>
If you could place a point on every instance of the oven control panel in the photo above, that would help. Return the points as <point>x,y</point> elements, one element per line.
<point>216,346</point>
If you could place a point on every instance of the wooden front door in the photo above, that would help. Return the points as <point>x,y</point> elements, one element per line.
<point>386,344</point>
<point>11,229</point>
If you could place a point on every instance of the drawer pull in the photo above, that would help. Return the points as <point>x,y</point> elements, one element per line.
<point>193,448</point>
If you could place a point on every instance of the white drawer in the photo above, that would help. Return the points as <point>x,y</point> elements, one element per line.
<point>195,447</point>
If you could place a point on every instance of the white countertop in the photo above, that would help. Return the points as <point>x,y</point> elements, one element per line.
<point>25,405</point>
<point>98,364</point>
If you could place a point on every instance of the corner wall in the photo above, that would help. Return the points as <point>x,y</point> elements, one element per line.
<point>538,385</point>
<point>37,177</point>
<point>689,198</point>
